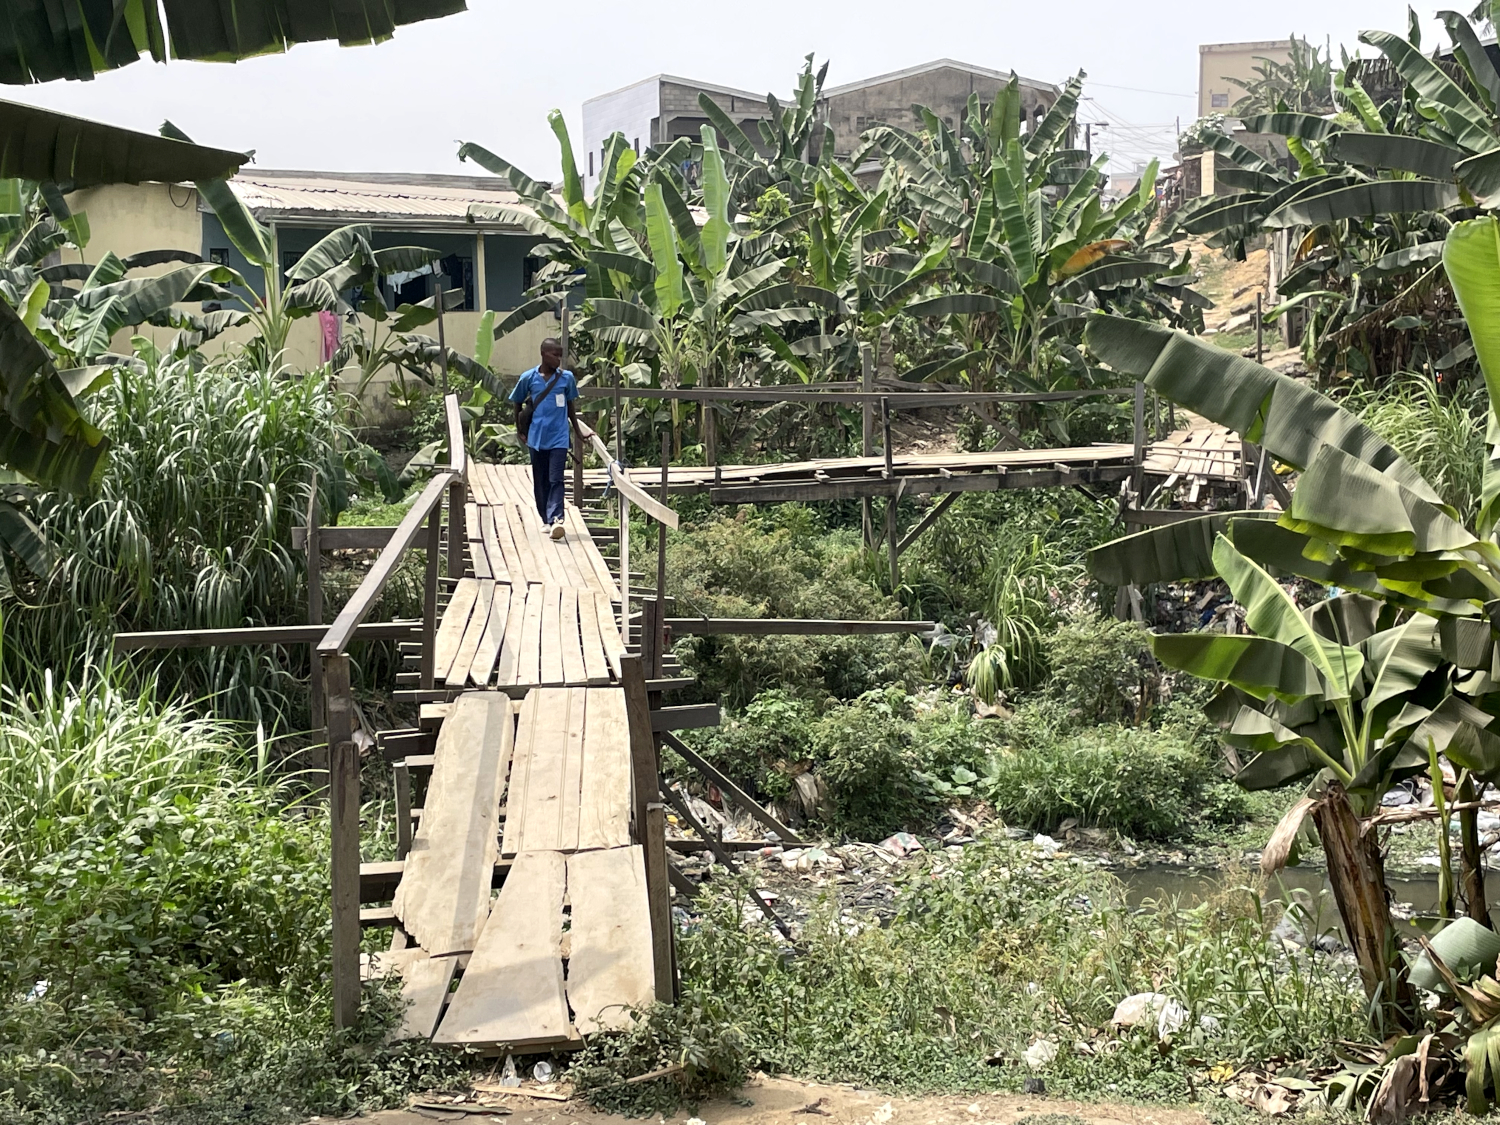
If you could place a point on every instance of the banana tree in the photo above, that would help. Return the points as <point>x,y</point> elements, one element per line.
<point>1363,520</point>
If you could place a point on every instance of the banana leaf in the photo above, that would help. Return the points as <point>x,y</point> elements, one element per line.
<point>1302,126</point>
<point>1471,257</point>
<point>1407,154</point>
<point>1465,118</point>
<point>1180,551</point>
<point>1259,666</point>
<point>1246,180</point>
<point>1365,201</point>
<point>1290,420</point>
<point>960,304</point>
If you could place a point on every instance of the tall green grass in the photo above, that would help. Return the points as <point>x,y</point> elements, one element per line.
<point>190,528</point>
<point>1441,434</point>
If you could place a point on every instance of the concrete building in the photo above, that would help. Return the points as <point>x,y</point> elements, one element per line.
<point>943,86</point>
<point>659,109</point>
<point>1219,62</point>
<point>490,261</point>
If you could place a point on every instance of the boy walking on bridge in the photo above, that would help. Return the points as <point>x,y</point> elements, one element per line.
<point>545,417</point>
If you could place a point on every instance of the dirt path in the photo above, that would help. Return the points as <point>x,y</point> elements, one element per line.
<point>785,1101</point>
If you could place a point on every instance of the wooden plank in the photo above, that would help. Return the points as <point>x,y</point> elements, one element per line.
<point>610,968</point>
<point>507,540</point>
<point>595,666</point>
<point>516,528</point>
<point>444,894</point>
<point>425,982</point>
<point>609,634</point>
<point>569,638</point>
<point>534,532</point>
<point>598,577</point>
<point>344,538</point>
<point>492,548</point>
<point>469,646</point>
<point>512,992</point>
<point>488,649</point>
<point>450,633</point>
<point>659,902</point>
<point>690,717</point>
<point>509,664</point>
<point>479,483</point>
<point>520,775</point>
<point>534,821</point>
<point>604,797</point>
<point>529,655</point>
<point>551,660</point>
<point>562,557</point>
<point>574,725</point>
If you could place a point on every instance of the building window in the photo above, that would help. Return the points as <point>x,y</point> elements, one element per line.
<point>219,255</point>
<point>637,146</point>
<point>1218,101</point>
<point>591,162</point>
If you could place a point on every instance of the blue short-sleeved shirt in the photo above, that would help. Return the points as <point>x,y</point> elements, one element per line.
<point>549,421</point>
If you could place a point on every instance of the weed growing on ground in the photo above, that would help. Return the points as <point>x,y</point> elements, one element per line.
<point>996,949</point>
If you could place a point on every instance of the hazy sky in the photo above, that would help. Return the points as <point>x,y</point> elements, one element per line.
<point>491,74</point>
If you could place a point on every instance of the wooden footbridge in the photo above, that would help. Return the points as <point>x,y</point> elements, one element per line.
<point>534,766</point>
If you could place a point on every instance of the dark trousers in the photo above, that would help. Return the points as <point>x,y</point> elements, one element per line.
<point>549,471</point>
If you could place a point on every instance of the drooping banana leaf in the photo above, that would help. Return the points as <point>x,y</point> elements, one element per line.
<point>1302,126</point>
<point>1364,201</point>
<point>1290,420</point>
<point>1259,666</point>
<point>1180,551</point>
<point>250,237</point>
<point>1471,53</point>
<point>1471,257</point>
<point>1406,154</point>
<point>38,144</point>
<point>960,304</point>
<point>1465,118</point>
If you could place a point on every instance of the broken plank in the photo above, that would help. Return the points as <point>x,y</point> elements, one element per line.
<point>512,991</point>
<point>444,894</point>
<point>572,778</point>
<point>425,982</point>
<point>535,819</point>
<point>595,666</point>
<point>551,658</point>
<point>488,649</point>
<point>510,644</point>
<point>529,654</point>
<point>451,631</point>
<point>458,674</point>
<point>569,638</point>
<point>610,967</point>
<point>520,775</point>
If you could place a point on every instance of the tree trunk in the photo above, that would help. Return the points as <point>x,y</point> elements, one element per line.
<point>1471,860</point>
<point>1356,873</point>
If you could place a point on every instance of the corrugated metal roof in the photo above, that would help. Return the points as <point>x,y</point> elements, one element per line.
<point>376,197</point>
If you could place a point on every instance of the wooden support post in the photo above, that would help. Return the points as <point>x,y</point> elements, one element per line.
<point>429,597</point>
<point>661,561</point>
<point>457,498</point>
<point>650,820</point>
<point>651,637</point>
<point>318,721</point>
<point>1138,478</point>
<point>716,846</point>
<point>624,566</point>
<point>893,500</point>
<point>343,816</point>
<point>867,408</point>
<point>402,776</point>
<point>439,301</point>
<point>927,521</point>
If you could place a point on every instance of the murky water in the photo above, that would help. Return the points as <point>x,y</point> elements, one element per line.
<point>1308,886</point>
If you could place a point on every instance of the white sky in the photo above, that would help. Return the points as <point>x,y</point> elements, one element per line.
<point>491,74</point>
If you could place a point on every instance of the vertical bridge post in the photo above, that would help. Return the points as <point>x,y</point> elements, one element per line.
<point>343,816</point>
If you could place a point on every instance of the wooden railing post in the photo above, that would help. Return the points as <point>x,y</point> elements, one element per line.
<point>892,548</point>
<point>458,460</point>
<point>1138,477</point>
<point>867,408</point>
<point>649,817</point>
<point>343,817</point>
<point>430,595</point>
<point>661,560</point>
<point>317,719</point>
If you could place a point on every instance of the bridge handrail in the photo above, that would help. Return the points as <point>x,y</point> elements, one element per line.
<point>428,505</point>
<point>630,490</point>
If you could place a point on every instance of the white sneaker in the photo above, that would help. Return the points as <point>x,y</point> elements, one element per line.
<point>558,531</point>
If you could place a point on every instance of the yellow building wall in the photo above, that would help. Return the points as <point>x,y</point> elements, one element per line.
<point>130,218</point>
<point>1218,62</point>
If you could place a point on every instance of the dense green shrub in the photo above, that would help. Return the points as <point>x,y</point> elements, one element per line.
<point>1154,784</point>
<point>782,563</point>
<point>1101,668</point>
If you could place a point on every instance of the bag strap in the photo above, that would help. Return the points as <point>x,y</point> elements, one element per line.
<point>547,390</point>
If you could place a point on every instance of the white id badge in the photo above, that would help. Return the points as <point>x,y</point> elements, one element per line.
<point>561,402</point>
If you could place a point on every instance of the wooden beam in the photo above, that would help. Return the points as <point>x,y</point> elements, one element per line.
<point>260,635</point>
<point>377,881</point>
<point>778,492</point>
<point>343,816</point>
<point>900,400</point>
<point>344,538</point>
<point>729,788</point>
<point>691,717</point>
<point>685,811</point>
<point>341,632</point>
<point>659,902</point>
<point>789,626</point>
<point>930,518</point>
